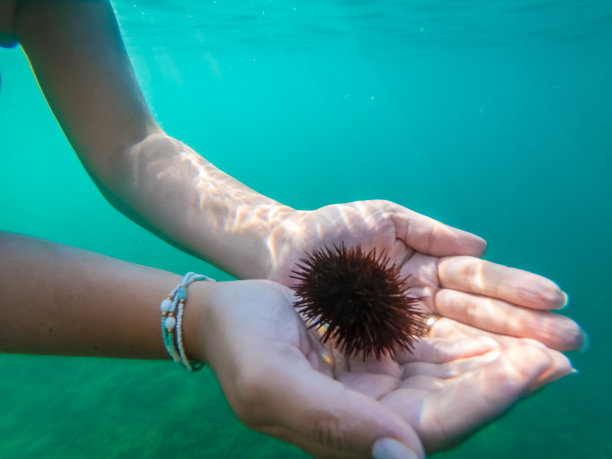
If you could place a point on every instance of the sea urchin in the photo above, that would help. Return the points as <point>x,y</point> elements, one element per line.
<point>360,300</point>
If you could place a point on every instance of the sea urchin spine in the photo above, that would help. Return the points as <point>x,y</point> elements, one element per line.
<point>360,299</point>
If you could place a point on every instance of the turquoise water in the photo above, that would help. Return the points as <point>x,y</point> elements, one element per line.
<point>495,117</point>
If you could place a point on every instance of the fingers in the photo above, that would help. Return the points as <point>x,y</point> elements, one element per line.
<point>291,401</point>
<point>473,275</point>
<point>440,350</point>
<point>447,339</point>
<point>449,369</point>
<point>378,377</point>
<point>561,366</point>
<point>432,237</point>
<point>480,396</point>
<point>428,376</point>
<point>449,329</point>
<point>447,402</point>
<point>497,316</point>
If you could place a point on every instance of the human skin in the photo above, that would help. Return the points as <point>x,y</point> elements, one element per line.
<point>168,188</point>
<point>77,54</point>
<point>65,301</point>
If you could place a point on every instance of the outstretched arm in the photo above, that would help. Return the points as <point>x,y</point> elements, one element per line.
<point>76,51</point>
<point>61,300</point>
<point>65,301</point>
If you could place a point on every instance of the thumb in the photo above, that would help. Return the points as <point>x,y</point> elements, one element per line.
<point>388,448</point>
<point>324,418</point>
<point>433,237</point>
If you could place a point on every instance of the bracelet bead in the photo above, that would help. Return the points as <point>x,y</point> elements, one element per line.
<point>169,323</point>
<point>172,309</point>
<point>165,305</point>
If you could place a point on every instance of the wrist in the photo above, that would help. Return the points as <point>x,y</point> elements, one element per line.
<point>285,237</point>
<point>194,319</point>
<point>258,251</point>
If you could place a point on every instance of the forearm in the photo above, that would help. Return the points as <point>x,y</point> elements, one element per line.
<point>60,300</point>
<point>81,64</point>
<point>168,188</point>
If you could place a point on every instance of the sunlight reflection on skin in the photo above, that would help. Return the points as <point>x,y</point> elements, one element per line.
<point>450,376</point>
<point>478,276</point>
<point>459,376</point>
<point>235,216</point>
<point>267,239</point>
<point>249,214</point>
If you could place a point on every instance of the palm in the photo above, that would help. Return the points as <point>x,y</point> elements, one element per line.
<point>449,387</point>
<point>471,367</point>
<point>436,395</point>
<point>443,270</point>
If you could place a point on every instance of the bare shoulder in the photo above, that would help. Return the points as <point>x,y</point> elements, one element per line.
<point>8,11</point>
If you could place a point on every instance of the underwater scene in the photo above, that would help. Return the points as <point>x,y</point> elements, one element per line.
<point>491,116</point>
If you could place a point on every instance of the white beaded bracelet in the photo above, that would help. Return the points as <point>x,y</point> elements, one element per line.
<point>172,309</point>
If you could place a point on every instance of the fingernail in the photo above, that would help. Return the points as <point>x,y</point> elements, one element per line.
<point>565,301</point>
<point>388,448</point>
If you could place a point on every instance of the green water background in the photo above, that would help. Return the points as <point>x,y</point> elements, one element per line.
<point>495,117</point>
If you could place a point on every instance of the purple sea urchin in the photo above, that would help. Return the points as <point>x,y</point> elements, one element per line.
<point>360,297</point>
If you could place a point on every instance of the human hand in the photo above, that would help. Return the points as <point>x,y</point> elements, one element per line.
<point>280,380</point>
<point>273,376</point>
<point>444,268</point>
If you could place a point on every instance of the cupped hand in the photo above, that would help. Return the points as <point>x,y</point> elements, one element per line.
<point>281,381</point>
<point>443,266</point>
<point>455,381</point>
